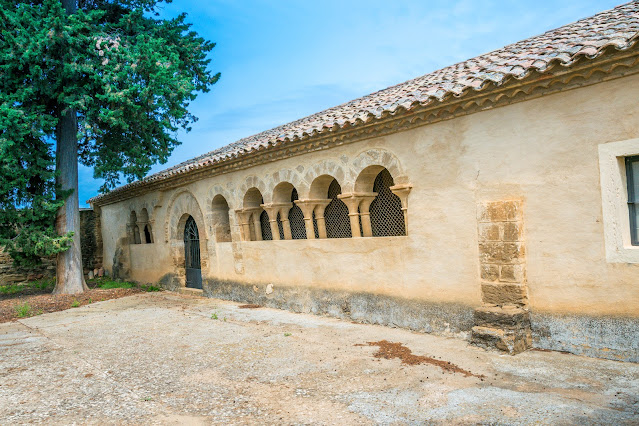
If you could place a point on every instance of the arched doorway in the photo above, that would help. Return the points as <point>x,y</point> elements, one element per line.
<point>192,254</point>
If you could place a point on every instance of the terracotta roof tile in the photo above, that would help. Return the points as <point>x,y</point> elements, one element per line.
<point>618,27</point>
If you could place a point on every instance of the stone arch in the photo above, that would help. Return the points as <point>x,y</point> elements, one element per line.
<point>253,198</point>
<point>182,205</point>
<point>282,192</point>
<point>145,228</point>
<point>251,182</point>
<point>134,231</point>
<point>144,215</point>
<point>323,168</point>
<point>367,165</point>
<point>183,202</point>
<point>216,190</point>
<point>286,176</point>
<point>220,219</point>
<point>320,185</point>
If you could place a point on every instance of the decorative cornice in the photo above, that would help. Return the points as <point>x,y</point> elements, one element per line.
<point>610,65</point>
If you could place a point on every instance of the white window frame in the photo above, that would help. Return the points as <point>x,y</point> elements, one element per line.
<point>614,197</point>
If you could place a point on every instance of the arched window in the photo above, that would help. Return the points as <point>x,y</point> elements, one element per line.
<point>135,231</point>
<point>221,223</point>
<point>253,200</point>
<point>148,234</point>
<point>296,219</point>
<point>387,218</point>
<point>338,224</point>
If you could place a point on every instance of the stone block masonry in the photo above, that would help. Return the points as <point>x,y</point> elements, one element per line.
<point>90,235</point>
<point>503,321</point>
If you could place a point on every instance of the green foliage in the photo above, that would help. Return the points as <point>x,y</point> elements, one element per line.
<point>44,285</point>
<point>150,288</point>
<point>108,284</point>
<point>32,287</point>
<point>129,76</point>
<point>10,289</point>
<point>75,303</point>
<point>214,315</point>
<point>23,311</point>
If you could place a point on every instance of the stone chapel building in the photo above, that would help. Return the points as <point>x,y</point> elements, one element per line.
<point>494,200</point>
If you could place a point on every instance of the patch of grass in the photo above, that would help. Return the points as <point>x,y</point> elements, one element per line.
<point>23,311</point>
<point>214,315</point>
<point>109,284</point>
<point>45,285</point>
<point>10,289</point>
<point>75,303</point>
<point>150,288</point>
<point>287,334</point>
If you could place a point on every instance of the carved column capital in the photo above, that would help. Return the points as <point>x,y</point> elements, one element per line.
<point>402,192</point>
<point>308,207</point>
<point>243,218</point>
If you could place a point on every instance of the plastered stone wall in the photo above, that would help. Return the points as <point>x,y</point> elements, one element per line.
<point>542,152</point>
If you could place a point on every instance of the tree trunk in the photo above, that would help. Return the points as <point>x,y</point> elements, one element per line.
<point>69,275</point>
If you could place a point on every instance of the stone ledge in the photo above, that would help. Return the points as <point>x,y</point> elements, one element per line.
<point>191,291</point>
<point>511,341</point>
<point>507,317</point>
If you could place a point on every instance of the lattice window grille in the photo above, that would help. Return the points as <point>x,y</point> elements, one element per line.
<point>336,214</point>
<point>280,227</point>
<point>296,219</point>
<point>267,235</point>
<point>192,243</point>
<point>387,218</point>
<point>315,226</point>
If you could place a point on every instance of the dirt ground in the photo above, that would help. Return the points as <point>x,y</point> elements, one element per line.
<point>163,358</point>
<point>46,303</point>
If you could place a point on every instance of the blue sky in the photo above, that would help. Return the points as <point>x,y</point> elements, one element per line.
<point>282,59</point>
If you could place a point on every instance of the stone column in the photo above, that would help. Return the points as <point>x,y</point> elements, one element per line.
<point>141,226</point>
<point>272,211</point>
<point>320,207</point>
<point>364,212</point>
<point>503,321</point>
<point>254,216</point>
<point>307,207</point>
<point>352,203</point>
<point>286,224</point>
<point>402,192</point>
<point>243,218</point>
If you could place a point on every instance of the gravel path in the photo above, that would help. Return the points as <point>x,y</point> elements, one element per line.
<point>163,358</point>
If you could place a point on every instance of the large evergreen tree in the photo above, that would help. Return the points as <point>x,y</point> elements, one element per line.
<point>105,82</point>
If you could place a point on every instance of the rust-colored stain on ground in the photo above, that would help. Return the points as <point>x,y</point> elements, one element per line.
<point>249,306</point>
<point>390,350</point>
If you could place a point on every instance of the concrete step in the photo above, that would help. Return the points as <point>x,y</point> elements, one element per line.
<point>191,291</point>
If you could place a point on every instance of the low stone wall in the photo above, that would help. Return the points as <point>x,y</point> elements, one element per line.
<point>11,274</point>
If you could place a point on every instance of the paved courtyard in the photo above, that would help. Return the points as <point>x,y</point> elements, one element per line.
<point>172,359</point>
